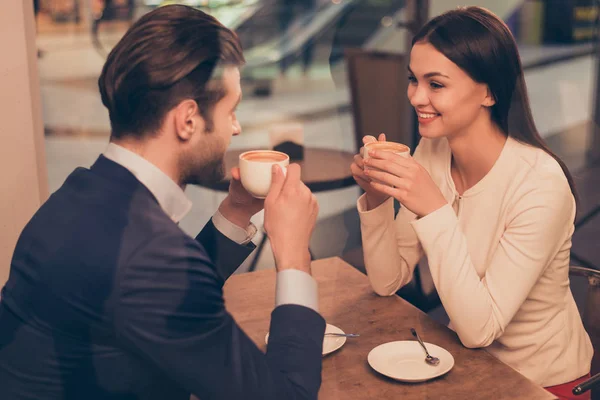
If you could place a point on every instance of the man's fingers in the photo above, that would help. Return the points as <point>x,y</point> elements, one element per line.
<point>235,173</point>
<point>277,181</point>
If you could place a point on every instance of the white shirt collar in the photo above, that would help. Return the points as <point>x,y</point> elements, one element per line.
<point>169,195</point>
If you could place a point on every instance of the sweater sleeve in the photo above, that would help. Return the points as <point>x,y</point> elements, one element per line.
<point>391,246</point>
<point>480,307</point>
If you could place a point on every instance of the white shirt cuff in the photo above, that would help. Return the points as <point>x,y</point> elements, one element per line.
<point>232,231</point>
<point>296,287</point>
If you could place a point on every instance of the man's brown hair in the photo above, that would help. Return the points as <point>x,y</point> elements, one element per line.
<point>167,56</point>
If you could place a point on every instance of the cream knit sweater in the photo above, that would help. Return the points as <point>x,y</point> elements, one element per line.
<point>499,258</point>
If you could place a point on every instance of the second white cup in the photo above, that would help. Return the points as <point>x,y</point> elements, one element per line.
<point>256,169</point>
<point>396,148</point>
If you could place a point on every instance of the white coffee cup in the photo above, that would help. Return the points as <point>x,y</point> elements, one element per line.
<point>256,170</point>
<point>396,148</point>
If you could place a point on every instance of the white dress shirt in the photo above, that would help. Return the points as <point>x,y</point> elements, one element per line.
<point>292,287</point>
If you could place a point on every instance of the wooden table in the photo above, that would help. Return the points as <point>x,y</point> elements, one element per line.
<point>347,301</point>
<point>322,169</point>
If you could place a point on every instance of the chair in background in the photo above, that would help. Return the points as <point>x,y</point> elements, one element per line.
<point>378,90</point>
<point>585,285</point>
<point>587,182</point>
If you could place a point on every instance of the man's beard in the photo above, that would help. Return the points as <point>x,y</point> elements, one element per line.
<point>205,168</point>
<point>206,174</point>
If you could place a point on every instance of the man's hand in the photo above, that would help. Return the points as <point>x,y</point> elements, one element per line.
<point>239,206</point>
<point>290,215</point>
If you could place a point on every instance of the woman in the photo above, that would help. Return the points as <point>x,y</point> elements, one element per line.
<point>484,199</point>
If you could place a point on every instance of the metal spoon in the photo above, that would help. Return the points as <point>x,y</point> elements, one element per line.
<point>429,359</point>
<point>350,335</point>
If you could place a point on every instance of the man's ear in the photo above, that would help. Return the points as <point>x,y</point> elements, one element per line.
<point>187,120</point>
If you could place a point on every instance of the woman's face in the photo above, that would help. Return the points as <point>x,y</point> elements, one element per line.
<point>446,99</point>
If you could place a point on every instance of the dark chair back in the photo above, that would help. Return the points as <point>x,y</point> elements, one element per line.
<point>585,285</point>
<point>378,83</point>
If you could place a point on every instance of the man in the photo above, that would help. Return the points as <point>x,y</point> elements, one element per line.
<point>107,297</point>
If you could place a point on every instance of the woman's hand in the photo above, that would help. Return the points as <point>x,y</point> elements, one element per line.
<point>408,181</point>
<point>374,197</point>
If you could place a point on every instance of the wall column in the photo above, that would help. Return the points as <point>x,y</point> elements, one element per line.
<point>23,176</point>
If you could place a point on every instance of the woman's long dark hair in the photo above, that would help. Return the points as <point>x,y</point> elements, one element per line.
<point>481,44</point>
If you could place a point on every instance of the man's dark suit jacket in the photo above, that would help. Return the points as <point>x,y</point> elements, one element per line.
<point>109,299</point>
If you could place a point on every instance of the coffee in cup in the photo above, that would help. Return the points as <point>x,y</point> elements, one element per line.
<point>396,148</point>
<point>256,169</point>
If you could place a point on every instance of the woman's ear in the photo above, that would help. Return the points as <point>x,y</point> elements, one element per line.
<point>489,99</point>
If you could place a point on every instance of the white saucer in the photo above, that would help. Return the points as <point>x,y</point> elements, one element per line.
<point>330,343</point>
<point>405,361</point>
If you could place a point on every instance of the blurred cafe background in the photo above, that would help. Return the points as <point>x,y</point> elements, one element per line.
<point>320,74</point>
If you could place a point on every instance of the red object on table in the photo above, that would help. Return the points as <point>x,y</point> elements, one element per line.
<point>564,391</point>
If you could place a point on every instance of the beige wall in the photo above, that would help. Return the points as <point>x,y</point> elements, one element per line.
<point>23,177</point>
